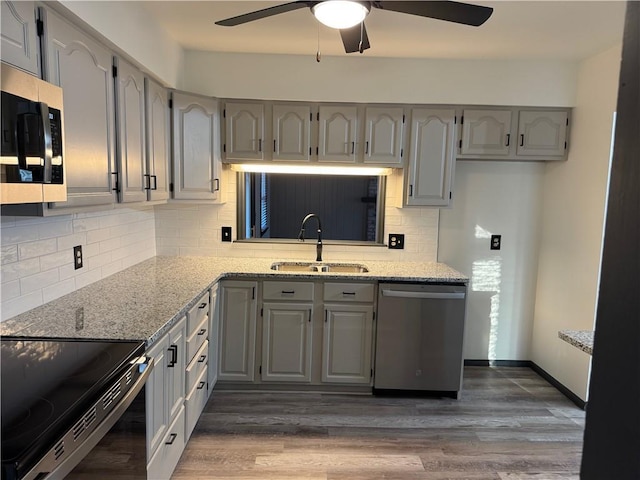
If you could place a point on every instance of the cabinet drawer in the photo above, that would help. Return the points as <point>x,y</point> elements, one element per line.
<point>287,291</point>
<point>348,292</point>
<point>197,314</point>
<point>197,339</point>
<point>196,400</point>
<point>197,365</point>
<point>164,461</point>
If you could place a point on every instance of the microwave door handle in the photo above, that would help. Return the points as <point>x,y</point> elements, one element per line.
<point>20,133</point>
<point>48,148</point>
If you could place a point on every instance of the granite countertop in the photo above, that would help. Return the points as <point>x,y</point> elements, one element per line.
<point>144,301</point>
<point>582,339</point>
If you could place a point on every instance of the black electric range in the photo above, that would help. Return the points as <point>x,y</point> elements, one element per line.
<point>57,394</point>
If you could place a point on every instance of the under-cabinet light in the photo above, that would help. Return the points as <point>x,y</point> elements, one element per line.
<point>311,169</point>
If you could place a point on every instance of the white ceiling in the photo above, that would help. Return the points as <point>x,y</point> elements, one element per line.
<point>516,30</point>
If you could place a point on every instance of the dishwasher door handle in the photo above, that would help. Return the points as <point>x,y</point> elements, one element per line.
<point>427,295</point>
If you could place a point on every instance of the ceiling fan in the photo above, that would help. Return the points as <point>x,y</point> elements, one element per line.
<point>348,16</point>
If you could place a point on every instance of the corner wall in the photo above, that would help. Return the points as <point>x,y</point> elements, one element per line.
<point>574,196</point>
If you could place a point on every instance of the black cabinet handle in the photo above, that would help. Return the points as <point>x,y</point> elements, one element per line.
<point>288,292</point>
<point>201,385</point>
<point>522,140</point>
<point>117,185</point>
<point>348,293</point>
<point>174,356</point>
<point>202,332</point>
<point>259,144</point>
<point>217,184</point>
<point>274,146</point>
<point>411,190</point>
<point>508,139</point>
<point>172,438</point>
<point>366,147</point>
<point>202,358</point>
<point>155,182</point>
<point>202,305</point>
<point>353,148</point>
<point>147,178</point>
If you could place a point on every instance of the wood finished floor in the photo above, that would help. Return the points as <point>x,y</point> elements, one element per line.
<point>510,424</point>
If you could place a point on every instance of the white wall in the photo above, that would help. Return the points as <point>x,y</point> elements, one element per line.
<point>37,253</point>
<point>129,27</point>
<point>196,230</point>
<point>573,217</point>
<point>371,79</point>
<point>501,198</point>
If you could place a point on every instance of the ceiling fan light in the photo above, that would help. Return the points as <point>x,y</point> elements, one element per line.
<point>340,13</point>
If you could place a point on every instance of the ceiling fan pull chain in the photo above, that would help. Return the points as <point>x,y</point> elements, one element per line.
<point>360,49</point>
<point>318,54</point>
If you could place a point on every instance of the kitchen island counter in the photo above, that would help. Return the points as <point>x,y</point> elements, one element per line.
<point>144,301</point>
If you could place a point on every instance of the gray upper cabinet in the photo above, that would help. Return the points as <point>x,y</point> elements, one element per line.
<point>383,136</point>
<point>542,133</point>
<point>158,140</point>
<point>291,132</point>
<point>131,139</point>
<point>431,157</point>
<point>83,68</point>
<point>196,149</point>
<point>338,133</point>
<point>244,131</point>
<point>19,39</point>
<point>486,132</point>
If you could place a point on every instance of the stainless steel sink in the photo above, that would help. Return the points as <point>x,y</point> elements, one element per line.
<point>319,267</point>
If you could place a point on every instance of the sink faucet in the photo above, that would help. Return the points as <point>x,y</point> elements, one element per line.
<point>319,242</point>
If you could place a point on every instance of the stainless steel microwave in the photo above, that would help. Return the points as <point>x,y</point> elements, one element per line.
<point>31,140</point>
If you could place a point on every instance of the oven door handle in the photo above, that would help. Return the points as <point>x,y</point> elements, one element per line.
<point>424,295</point>
<point>61,470</point>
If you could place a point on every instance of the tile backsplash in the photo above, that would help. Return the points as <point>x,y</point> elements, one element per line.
<point>37,253</point>
<point>192,229</point>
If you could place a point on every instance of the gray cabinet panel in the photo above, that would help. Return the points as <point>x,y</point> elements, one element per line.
<point>19,41</point>
<point>291,132</point>
<point>158,140</point>
<point>542,133</point>
<point>244,131</point>
<point>338,134</point>
<point>486,132</point>
<point>383,136</point>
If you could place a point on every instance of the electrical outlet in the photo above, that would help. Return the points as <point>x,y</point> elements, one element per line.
<point>226,234</point>
<point>496,242</point>
<point>77,257</point>
<point>396,241</point>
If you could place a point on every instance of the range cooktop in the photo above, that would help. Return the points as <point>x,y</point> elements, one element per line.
<point>46,385</point>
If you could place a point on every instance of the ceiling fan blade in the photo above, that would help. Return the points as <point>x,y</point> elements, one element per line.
<point>264,13</point>
<point>465,13</point>
<point>351,38</point>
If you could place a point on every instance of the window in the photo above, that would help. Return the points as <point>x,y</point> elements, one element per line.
<point>350,207</point>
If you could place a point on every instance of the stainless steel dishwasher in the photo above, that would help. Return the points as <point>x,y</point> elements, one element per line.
<point>419,337</point>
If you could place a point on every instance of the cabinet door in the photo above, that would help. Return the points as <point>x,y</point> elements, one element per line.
<point>431,157</point>
<point>157,395</point>
<point>196,173</point>
<point>291,132</point>
<point>338,134</point>
<point>214,327</point>
<point>176,366</point>
<point>486,132</point>
<point>286,342</point>
<point>347,343</point>
<point>158,140</point>
<point>83,68</point>
<point>244,131</point>
<point>237,331</point>
<point>542,133</point>
<point>131,139</point>
<point>383,136</point>
<point>19,40</point>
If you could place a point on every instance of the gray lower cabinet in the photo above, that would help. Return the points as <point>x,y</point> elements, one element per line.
<point>83,68</point>
<point>214,331</point>
<point>165,411</point>
<point>19,40</point>
<point>286,342</point>
<point>347,343</point>
<point>197,334</point>
<point>237,341</point>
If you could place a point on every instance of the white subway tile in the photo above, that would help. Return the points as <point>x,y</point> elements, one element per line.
<point>9,254</point>
<point>9,290</point>
<point>55,229</point>
<point>56,260</point>
<point>21,304</point>
<point>98,261</point>
<point>111,268</point>
<point>39,281</point>
<point>58,290</point>
<point>96,236</point>
<point>86,224</point>
<point>109,245</point>
<point>38,248</point>
<point>67,242</point>
<point>88,278</point>
<point>13,271</point>
<point>18,234</point>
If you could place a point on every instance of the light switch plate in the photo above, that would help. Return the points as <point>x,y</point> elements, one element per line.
<point>396,241</point>
<point>226,234</point>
